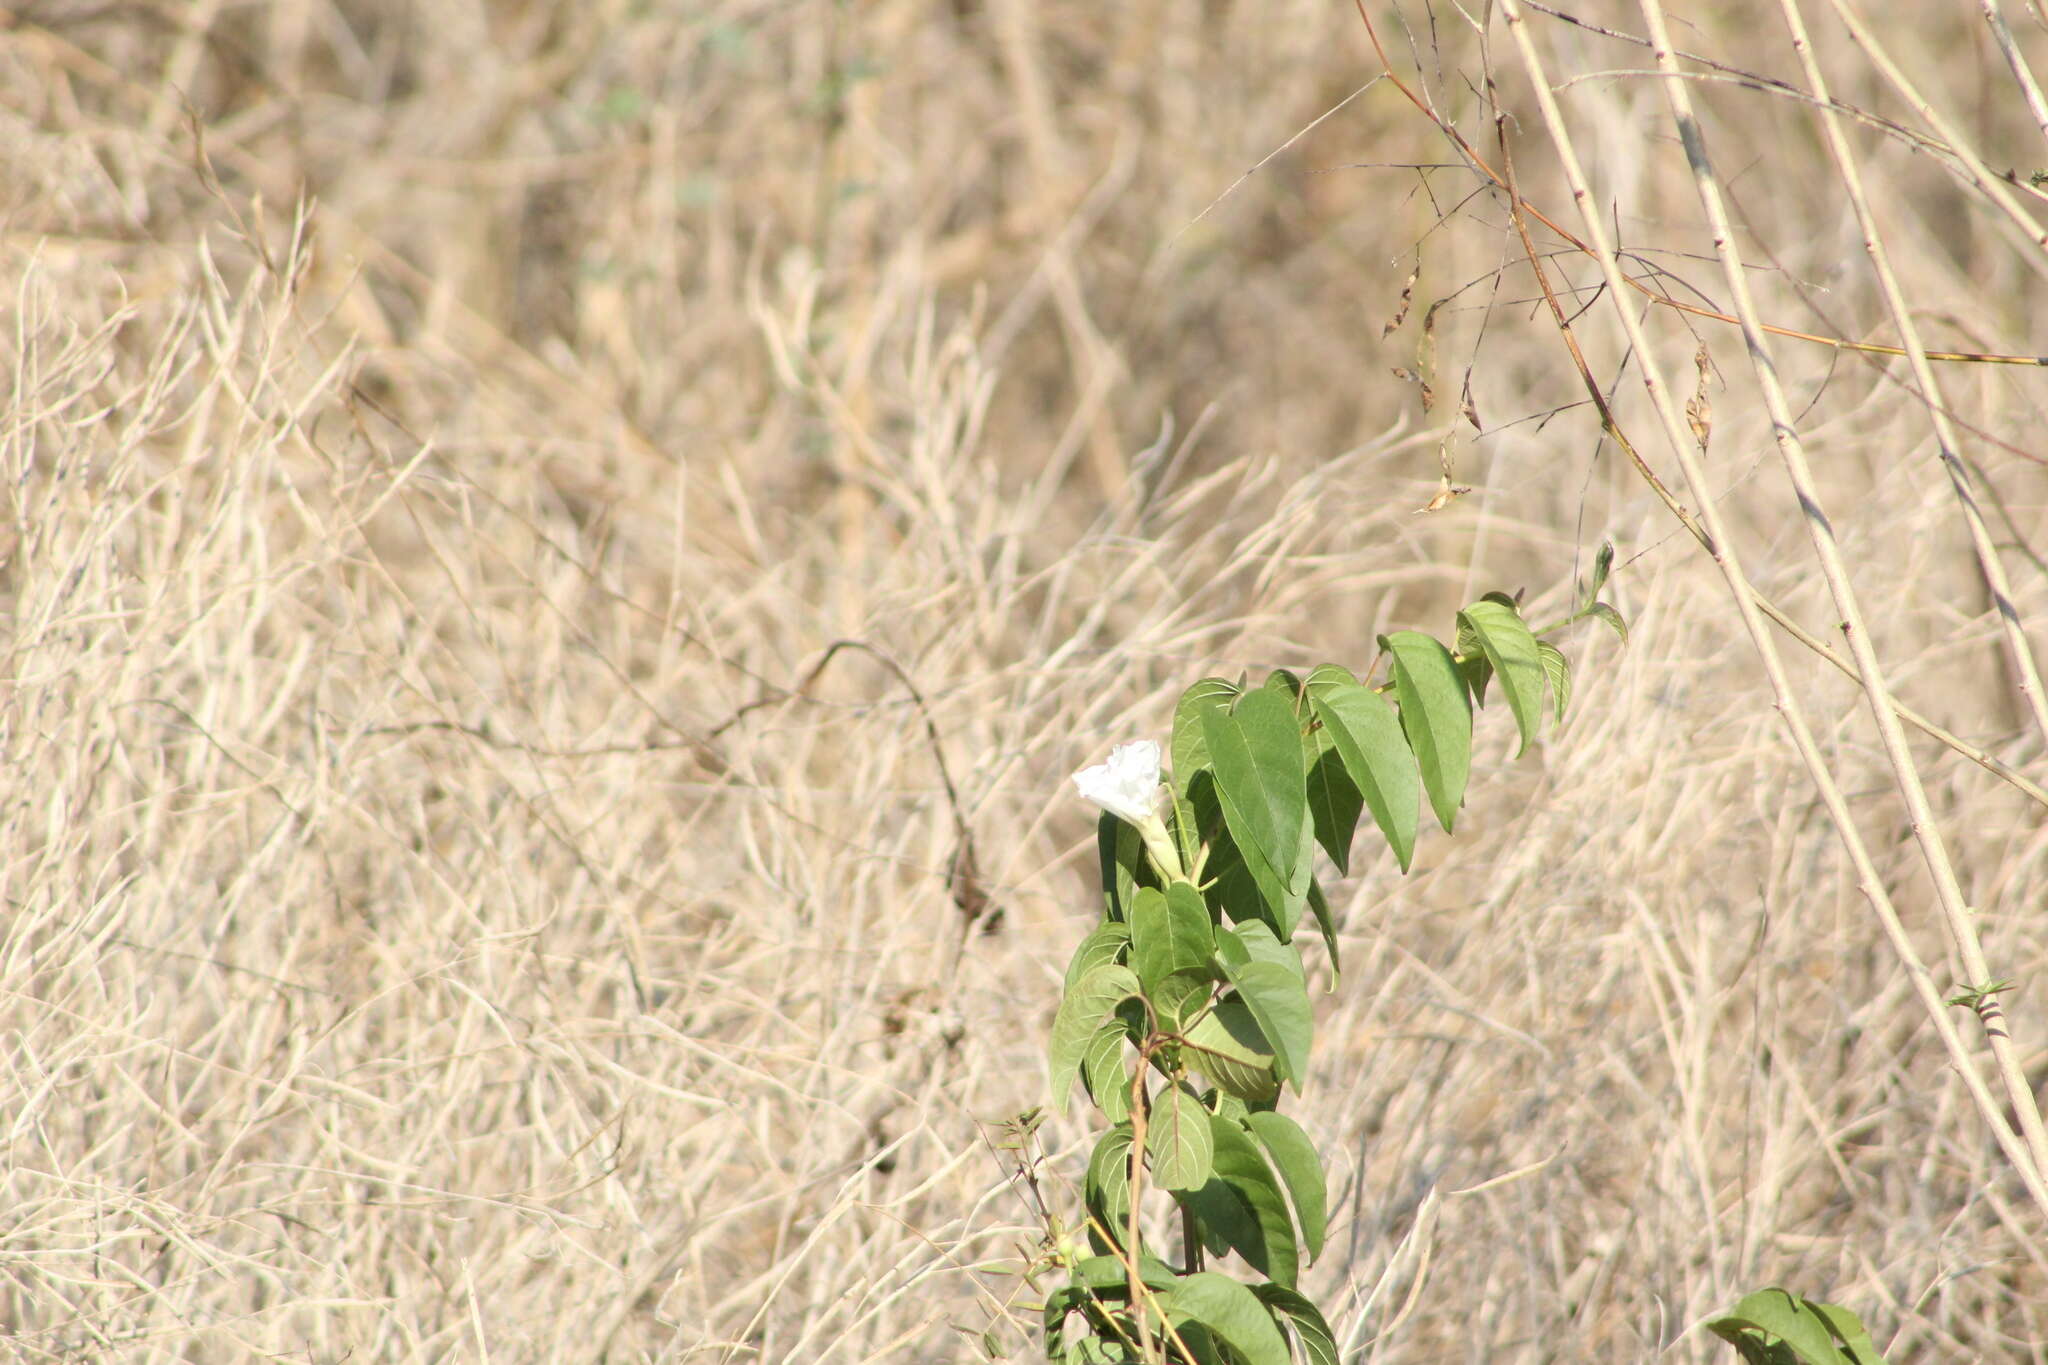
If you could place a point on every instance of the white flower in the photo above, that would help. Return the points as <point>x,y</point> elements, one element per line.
<point>1128,785</point>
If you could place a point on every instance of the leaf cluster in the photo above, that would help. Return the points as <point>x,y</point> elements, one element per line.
<point>1777,1327</point>
<point>1186,1011</point>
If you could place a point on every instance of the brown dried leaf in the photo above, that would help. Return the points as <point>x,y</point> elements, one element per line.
<point>1446,494</point>
<point>1699,409</point>
<point>1401,309</point>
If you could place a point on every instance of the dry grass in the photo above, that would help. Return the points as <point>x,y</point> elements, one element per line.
<point>435,929</point>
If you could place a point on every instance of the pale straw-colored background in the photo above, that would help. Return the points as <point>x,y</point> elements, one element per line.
<point>438,439</point>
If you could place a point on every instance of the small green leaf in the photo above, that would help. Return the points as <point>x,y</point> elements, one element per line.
<point>1107,1186</point>
<point>1512,650</point>
<point>1611,617</point>
<point>1294,1156</point>
<point>1172,942</point>
<point>1230,1311</point>
<point>1975,996</point>
<point>1228,1047</point>
<point>1121,851</point>
<point>1284,681</point>
<point>1187,831</point>
<point>1279,1002</point>
<point>1242,1169</point>
<point>1603,564</point>
<point>1170,932</point>
<point>1104,1073</point>
<point>1111,1277</point>
<point>1318,1343</point>
<point>1436,715</point>
<point>1849,1329</point>
<point>1557,673</point>
<point>1229,888</point>
<point>1791,1319</point>
<point>1334,800</point>
<point>1255,751</point>
<point>1179,1141</point>
<point>1097,992</point>
<point>1202,1348</point>
<point>1319,905</point>
<point>1256,942</point>
<point>1221,1216</point>
<point>1474,668</point>
<point>1367,735</point>
<point>1060,1349</point>
<point>1105,944</point>
<point>1189,751</point>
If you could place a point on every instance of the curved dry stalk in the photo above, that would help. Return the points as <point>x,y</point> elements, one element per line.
<point>1726,559</point>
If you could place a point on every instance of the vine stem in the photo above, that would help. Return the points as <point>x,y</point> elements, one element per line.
<point>1140,1113</point>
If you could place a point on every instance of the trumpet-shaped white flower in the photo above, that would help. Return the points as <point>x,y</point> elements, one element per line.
<point>1127,786</point>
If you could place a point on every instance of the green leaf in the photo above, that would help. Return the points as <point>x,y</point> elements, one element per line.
<point>1058,1306</point>
<point>1319,904</point>
<point>1104,1073</point>
<point>1107,1186</point>
<point>1189,750</point>
<point>1203,1348</point>
<point>1295,897</point>
<point>1228,1220</point>
<point>1472,662</point>
<point>1179,1141</point>
<point>1367,735</point>
<point>1183,997</point>
<point>1105,944</point>
<point>1245,887</point>
<point>1611,617</point>
<point>1232,1313</point>
<point>1098,991</point>
<point>1170,932</point>
<point>1436,715</point>
<point>1294,1156</point>
<point>1791,1319</point>
<point>1221,1217</point>
<point>1512,650</point>
<point>1255,751</point>
<point>1318,1343</point>
<point>1255,942</point>
<point>1241,1169</point>
<point>1334,801</point>
<point>1285,681</point>
<point>1557,673</point>
<point>1121,851</point>
<point>1474,668</point>
<point>1274,903</point>
<point>1279,1003</point>
<point>1603,564</point>
<point>1110,1277</point>
<point>1849,1329</point>
<point>1228,1047</point>
<point>1172,942</point>
<point>1187,830</point>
